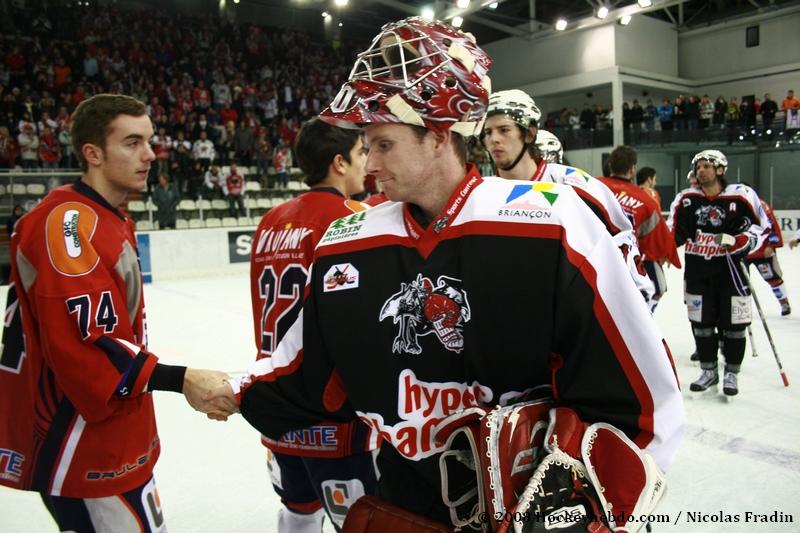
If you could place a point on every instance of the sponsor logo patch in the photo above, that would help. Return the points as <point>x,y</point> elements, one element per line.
<point>565,517</point>
<point>694,307</point>
<point>69,230</point>
<point>11,465</point>
<point>704,244</point>
<point>343,228</point>
<point>340,278</point>
<point>576,176</point>
<point>520,204</point>
<point>741,312</point>
<point>420,308</point>
<point>421,406</point>
<point>339,495</point>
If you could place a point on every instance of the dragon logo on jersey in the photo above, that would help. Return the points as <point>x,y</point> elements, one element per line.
<point>710,214</point>
<point>422,308</point>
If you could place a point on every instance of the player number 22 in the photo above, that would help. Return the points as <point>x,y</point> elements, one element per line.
<point>287,291</point>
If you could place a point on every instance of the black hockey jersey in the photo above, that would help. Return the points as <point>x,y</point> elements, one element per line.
<point>696,219</point>
<point>514,287</point>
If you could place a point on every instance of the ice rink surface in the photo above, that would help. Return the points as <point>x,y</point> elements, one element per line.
<point>736,458</point>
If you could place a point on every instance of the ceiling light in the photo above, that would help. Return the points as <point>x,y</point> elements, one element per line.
<point>625,20</point>
<point>427,14</point>
<point>462,4</point>
<point>561,24</point>
<point>493,5</point>
<point>645,3</point>
<point>325,14</point>
<point>457,22</point>
<point>340,24</point>
<point>602,12</point>
<point>235,1</point>
<point>340,3</point>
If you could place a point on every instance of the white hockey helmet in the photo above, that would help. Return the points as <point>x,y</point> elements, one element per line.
<point>517,105</point>
<point>715,157</point>
<point>549,146</point>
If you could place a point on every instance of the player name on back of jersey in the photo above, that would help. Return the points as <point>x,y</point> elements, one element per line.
<point>272,241</point>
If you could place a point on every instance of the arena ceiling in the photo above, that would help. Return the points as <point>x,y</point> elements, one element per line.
<point>526,18</point>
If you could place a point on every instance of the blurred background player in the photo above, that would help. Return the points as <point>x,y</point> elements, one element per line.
<point>765,260</point>
<point>656,244</point>
<point>331,465</point>
<point>793,242</point>
<point>718,224</point>
<point>509,135</point>
<point>548,148</point>
<point>412,276</point>
<point>76,408</point>
<point>646,179</point>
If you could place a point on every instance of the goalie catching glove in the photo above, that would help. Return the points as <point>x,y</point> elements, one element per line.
<point>536,468</point>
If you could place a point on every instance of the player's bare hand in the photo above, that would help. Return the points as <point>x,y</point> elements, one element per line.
<point>222,395</point>
<point>198,382</point>
<point>769,251</point>
<point>792,244</point>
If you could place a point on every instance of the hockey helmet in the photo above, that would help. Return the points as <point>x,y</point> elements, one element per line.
<point>416,72</point>
<point>715,157</point>
<point>517,105</point>
<point>549,146</point>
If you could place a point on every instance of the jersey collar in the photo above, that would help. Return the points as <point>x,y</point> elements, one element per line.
<point>450,211</point>
<point>82,188</point>
<point>332,190</point>
<point>539,172</point>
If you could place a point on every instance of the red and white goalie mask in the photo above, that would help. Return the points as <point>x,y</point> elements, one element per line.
<point>420,73</point>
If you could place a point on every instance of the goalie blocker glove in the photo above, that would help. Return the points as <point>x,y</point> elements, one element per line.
<point>570,476</point>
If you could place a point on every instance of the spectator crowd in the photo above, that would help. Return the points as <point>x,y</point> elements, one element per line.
<point>217,92</point>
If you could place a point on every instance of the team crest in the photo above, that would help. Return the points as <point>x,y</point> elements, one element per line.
<point>422,308</point>
<point>710,214</point>
<point>340,278</point>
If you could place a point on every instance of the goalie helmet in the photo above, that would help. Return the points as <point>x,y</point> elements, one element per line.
<point>715,157</point>
<point>416,72</point>
<point>516,105</point>
<point>549,146</point>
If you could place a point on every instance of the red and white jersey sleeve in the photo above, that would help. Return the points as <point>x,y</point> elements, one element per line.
<point>773,238</point>
<point>74,401</point>
<point>602,202</point>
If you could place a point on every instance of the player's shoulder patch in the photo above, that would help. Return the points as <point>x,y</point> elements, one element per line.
<point>344,228</point>
<point>576,175</point>
<point>68,233</point>
<point>340,277</point>
<point>546,190</point>
<point>355,206</point>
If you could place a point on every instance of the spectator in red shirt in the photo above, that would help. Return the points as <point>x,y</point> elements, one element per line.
<point>281,161</point>
<point>228,114</point>
<point>63,73</point>
<point>162,146</point>
<point>234,190</point>
<point>49,149</point>
<point>201,97</point>
<point>8,148</point>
